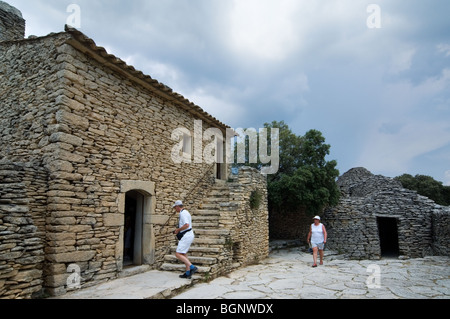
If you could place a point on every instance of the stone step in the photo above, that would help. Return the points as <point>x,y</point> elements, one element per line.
<point>221,189</point>
<point>207,215</point>
<point>195,250</point>
<point>219,205</point>
<point>182,268</point>
<point>196,260</point>
<point>206,212</point>
<point>220,182</point>
<point>214,205</point>
<point>210,241</point>
<point>202,233</point>
<point>217,194</point>
<point>209,238</point>
<point>206,225</point>
<point>204,218</point>
<point>218,197</point>
<point>201,252</point>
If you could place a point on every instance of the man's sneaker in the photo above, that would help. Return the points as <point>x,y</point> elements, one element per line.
<point>186,275</point>
<point>194,270</point>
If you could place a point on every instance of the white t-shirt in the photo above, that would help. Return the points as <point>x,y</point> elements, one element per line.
<point>317,235</point>
<point>185,218</point>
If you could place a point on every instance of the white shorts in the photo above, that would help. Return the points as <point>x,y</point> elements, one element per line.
<point>185,243</point>
<point>318,245</point>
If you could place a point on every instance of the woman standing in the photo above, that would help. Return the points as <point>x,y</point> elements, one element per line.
<point>318,237</point>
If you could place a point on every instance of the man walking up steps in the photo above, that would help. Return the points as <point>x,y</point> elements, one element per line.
<point>185,235</point>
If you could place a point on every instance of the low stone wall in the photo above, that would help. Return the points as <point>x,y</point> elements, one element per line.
<point>290,225</point>
<point>249,226</point>
<point>441,232</point>
<point>22,195</point>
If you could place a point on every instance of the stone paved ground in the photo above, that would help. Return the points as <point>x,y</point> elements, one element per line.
<point>287,274</point>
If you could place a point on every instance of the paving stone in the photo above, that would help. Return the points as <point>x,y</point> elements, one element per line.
<point>346,279</point>
<point>278,277</point>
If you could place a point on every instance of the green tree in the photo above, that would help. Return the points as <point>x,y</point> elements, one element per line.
<point>426,186</point>
<point>305,177</point>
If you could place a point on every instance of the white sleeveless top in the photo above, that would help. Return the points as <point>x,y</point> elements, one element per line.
<point>317,235</point>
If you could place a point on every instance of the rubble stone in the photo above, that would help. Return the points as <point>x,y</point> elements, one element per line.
<point>353,225</point>
<point>77,127</point>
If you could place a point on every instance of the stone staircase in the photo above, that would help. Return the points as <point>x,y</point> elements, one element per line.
<point>210,248</point>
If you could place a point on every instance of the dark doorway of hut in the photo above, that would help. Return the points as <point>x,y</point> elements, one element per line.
<point>133,229</point>
<point>388,232</point>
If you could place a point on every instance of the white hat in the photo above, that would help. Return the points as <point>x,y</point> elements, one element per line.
<point>317,217</point>
<point>178,203</point>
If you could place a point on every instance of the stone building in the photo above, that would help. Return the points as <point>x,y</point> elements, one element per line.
<point>377,217</point>
<point>12,24</point>
<point>86,153</point>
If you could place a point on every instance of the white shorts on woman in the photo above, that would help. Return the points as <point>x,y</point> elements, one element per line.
<point>320,246</point>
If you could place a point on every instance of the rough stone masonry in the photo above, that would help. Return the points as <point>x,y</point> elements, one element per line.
<point>12,24</point>
<point>355,225</point>
<point>85,141</point>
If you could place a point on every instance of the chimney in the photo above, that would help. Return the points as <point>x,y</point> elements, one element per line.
<point>12,25</point>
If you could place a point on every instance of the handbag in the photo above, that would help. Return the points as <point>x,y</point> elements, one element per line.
<point>181,234</point>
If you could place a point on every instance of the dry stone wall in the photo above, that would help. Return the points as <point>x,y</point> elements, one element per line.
<point>292,225</point>
<point>249,225</point>
<point>248,239</point>
<point>79,131</point>
<point>22,237</point>
<point>90,128</point>
<point>12,25</point>
<point>29,88</point>
<point>115,130</point>
<point>441,232</point>
<point>353,225</point>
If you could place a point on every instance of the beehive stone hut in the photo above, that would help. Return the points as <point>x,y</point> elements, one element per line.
<point>86,150</point>
<point>377,217</point>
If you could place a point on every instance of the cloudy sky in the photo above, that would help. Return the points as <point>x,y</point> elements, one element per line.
<point>375,80</point>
